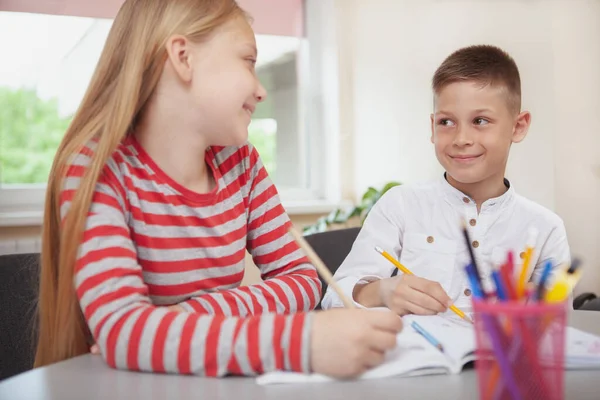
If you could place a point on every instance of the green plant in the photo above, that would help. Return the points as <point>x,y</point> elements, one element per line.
<point>361,210</point>
<point>30,131</point>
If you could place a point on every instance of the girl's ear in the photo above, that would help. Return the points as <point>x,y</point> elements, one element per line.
<point>521,126</point>
<point>180,57</point>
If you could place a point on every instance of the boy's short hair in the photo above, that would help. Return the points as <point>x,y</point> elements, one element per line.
<point>484,64</point>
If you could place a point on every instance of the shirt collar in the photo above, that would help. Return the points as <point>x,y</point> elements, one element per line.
<point>458,199</point>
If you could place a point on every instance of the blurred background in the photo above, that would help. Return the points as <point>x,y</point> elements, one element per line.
<point>347,114</point>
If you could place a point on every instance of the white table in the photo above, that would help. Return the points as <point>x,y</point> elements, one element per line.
<point>88,378</point>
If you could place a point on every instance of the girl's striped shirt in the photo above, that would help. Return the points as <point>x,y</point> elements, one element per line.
<point>150,242</point>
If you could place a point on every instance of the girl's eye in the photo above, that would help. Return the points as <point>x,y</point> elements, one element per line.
<point>481,121</point>
<point>445,122</point>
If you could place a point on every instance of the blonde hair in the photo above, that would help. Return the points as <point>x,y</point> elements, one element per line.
<point>127,73</point>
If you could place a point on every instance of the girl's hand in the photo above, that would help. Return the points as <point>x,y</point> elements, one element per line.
<point>345,343</point>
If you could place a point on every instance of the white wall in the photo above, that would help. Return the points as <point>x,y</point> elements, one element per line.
<point>576,31</point>
<point>398,44</point>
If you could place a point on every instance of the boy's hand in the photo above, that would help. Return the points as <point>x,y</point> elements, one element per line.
<point>95,350</point>
<point>345,343</point>
<point>409,294</point>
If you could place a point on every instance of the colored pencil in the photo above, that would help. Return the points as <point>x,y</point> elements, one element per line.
<point>530,246</point>
<point>436,343</point>
<point>405,270</point>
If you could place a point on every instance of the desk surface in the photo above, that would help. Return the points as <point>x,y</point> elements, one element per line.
<point>87,377</point>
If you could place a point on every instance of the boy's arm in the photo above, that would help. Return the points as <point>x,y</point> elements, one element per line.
<point>383,227</point>
<point>555,249</point>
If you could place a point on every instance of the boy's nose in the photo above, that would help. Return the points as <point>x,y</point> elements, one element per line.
<point>463,137</point>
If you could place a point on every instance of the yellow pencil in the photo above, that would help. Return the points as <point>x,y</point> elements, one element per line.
<point>564,283</point>
<point>405,270</point>
<point>526,261</point>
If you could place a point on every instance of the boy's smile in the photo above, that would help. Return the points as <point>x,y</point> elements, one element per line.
<point>464,158</point>
<point>472,130</point>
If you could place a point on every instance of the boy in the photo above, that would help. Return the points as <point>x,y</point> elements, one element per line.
<point>476,118</point>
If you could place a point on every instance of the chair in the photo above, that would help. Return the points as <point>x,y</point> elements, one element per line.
<point>592,305</point>
<point>332,247</point>
<point>19,277</point>
<point>587,301</point>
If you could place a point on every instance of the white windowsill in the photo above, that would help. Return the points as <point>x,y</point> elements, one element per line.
<point>21,218</point>
<point>308,207</point>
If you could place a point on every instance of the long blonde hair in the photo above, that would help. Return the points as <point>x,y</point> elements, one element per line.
<point>127,73</point>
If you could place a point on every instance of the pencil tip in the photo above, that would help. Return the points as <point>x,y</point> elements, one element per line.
<point>378,249</point>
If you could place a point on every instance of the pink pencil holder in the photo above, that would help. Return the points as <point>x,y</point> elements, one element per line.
<point>520,350</point>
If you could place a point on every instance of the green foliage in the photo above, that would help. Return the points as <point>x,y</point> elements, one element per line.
<point>263,135</point>
<point>340,216</point>
<point>30,132</point>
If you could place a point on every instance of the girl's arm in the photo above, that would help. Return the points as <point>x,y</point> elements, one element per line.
<point>291,283</point>
<point>134,334</point>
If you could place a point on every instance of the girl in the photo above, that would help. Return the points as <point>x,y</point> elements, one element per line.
<point>153,198</point>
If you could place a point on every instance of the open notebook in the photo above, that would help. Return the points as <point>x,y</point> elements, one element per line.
<point>583,350</point>
<point>415,356</point>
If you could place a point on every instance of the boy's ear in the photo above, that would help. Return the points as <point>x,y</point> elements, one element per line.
<point>431,116</point>
<point>521,126</point>
<point>180,57</point>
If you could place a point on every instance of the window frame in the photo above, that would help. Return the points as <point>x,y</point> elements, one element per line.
<point>23,205</point>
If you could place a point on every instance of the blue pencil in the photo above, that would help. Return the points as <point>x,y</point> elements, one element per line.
<point>427,336</point>
<point>539,293</point>
<point>500,290</point>
<point>476,288</point>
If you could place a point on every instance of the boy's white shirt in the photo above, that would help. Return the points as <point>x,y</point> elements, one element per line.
<point>420,226</point>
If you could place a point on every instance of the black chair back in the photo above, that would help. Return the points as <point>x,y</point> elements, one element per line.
<point>19,278</point>
<point>587,301</point>
<point>332,247</point>
<point>592,305</point>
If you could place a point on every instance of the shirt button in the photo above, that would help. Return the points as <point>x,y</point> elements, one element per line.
<point>430,239</point>
<point>473,222</point>
<point>466,200</point>
<point>467,292</point>
<point>475,244</point>
<point>522,255</point>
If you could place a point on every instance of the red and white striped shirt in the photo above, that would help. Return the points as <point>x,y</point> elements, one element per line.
<point>149,241</point>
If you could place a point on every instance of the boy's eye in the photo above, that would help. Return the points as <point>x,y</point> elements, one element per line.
<point>252,61</point>
<point>481,121</point>
<point>445,122</point>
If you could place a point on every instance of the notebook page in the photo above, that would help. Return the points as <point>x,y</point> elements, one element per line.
<point>582,350</point>
<point>455,334</point>
<point>412,356</point>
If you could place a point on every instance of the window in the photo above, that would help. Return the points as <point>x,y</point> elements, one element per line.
<point>49,68</point>
<point>41,85</point>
